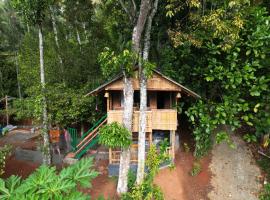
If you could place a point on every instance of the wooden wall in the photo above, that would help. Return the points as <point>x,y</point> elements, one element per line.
<point>156,119</point>
<point>156,83</point>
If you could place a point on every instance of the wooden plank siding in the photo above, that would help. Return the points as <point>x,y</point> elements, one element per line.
<point>157,119</point>
<point>156,83</point>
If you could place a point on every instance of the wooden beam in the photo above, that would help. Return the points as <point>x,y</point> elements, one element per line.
<point>150,138</point>
<point>110,155</point>
<point>172,143</point>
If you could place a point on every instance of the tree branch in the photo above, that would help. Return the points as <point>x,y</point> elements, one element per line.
<point>147,35</point>
<point>126,10</point>
<point>134,8</point>
<point>139,27</point>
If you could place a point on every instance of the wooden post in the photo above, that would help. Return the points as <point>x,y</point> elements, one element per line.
<point>7,116</point>
<point>172,138</point>
<point>110,155</point>
<point>107,95</point>
<point>150,138</point>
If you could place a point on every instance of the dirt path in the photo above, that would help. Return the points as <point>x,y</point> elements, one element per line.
<point>235,174</point>
<point>178,184</point>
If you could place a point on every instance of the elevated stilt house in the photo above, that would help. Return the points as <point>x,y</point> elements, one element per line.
<point>163,94</point>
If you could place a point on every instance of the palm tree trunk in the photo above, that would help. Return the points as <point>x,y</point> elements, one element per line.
<point>44,131</point>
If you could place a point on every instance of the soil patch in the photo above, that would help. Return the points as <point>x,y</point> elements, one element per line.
<point>102,186</point>
<point>18,167</point>
<point>178,184</point>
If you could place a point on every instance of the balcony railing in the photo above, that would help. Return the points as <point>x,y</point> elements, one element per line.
<point>158,119</point>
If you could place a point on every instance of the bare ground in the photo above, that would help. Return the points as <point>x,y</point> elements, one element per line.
<point>235,173</point>
<point>178,184</point>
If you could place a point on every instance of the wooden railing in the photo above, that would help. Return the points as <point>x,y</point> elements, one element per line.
<point>117,116</point>
<point>164,119</point>
<point>115,155</point>
<point>158,119</point>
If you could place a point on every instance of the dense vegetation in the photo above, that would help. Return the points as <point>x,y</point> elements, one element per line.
<point>46,183</point>
<point>220,49</point>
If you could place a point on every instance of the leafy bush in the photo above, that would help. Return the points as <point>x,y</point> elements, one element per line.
<point>131,179</point>
<point>46,184</point>
<point>114,135</point>
<point>250,138</point>
<point>148,190</point>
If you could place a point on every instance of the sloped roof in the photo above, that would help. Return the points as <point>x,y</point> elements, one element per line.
<point>119,76</point>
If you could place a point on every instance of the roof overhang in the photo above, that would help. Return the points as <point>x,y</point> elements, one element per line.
<point>119,76</point>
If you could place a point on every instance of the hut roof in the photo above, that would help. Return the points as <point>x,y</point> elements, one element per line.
<point>120,76</point>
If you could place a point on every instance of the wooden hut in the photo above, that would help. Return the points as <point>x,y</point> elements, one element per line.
<point>163,94</point>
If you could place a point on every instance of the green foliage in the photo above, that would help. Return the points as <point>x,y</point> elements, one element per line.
<point>111,62</point>
<point>196,168</point>
<point>265,195</point>
<point>249,138</point>
<point>148,190</point>
<point>144,191</point>
<point>33,11</point>
<point>163,145</point>
<point>4,151</point>
<point>148,68</point>
<point>65,105</point>
<point>131,179</point>
<point>264,164</point>
<point>153,161</point>
<point>114,135</point>
<point>46,183</point>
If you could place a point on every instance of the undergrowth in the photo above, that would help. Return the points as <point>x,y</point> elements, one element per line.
<point>264,163</point>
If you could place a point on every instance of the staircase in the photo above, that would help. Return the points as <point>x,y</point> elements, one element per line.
<point>88,139</point>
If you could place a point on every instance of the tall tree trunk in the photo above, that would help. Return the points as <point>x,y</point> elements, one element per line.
<point>1,83</point>
<point>57,41</point>
<point>143,97</point>
<point>139,27</point>
<point>128,97</point>
<point>17,73</point>
<point>46,142</point>
<point>127,122</point>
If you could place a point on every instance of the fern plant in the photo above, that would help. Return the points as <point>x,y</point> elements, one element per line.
<point>46,184</point>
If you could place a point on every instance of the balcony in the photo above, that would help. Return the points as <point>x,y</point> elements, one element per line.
<point>157,119</point>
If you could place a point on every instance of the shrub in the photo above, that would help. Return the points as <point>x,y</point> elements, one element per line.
<point>45,183</point>
<point>114,135</point>
<point>265,195</point>
<point>196,169</point>
<point>148,190</point>
<point>131,179</point>
<point>249,138</point>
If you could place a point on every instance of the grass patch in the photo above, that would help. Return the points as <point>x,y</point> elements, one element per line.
<point>196,168</point>
<point>264,164</point>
